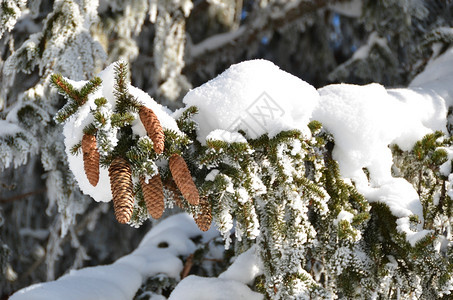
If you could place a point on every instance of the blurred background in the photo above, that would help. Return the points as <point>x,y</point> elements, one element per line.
<point>47,226</point>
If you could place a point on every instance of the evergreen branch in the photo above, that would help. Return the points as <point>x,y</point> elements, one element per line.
<point>122,119</point>
<point>76,149</point>
<point>100,118</point>
<point>186,124</point>
<point>100,101</point>
<point>66,111</point>
<point>121,78</point>
<point>174,141</point>
<point>76,98</point>
<point>125,102</point>
<point>65,88</point>
<point>89,88</point>
<point>90,129</point>
<point>314,126</point>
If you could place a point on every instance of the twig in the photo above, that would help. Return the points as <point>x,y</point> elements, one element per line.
<point>32,268</point>
<point>213,259</point>
<point>187,266</point>
<point>19,197</point>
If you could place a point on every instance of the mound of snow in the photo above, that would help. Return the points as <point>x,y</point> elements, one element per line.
<point>122,279</point>
<point>254,96</point>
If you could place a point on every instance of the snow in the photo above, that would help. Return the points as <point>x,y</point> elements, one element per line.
<point>158,253</point>
<point>73,130</point>
<point>121,280</point>
<point>364,121</point>
<point>245,268</point>
<point>215,42</point>
<point>352,9</point>
<point>254,96</point>
<point>445,168</point>
<point>343,215</point>
<point>211,175</point>
<point>231,284</point>
<point>8,128</point>
<point>437,77</point>
<point>364,51</point>
<point>226,136</point>
<point>424,111</point>
<point>202,288</point>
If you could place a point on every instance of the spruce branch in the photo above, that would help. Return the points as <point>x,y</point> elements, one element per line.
<point>66,111</point>
<point>76,149</point>
<point>65,88</point>
<point>100,101</point>
<point>121,72</point>
<point>90,129</point>
<point>122,119</point>
<point>76,98</point>
<point>185,122</point>
<point>89,88</point>
<point>125,102</point>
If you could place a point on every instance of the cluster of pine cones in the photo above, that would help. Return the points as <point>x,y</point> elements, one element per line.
<point>120,174</point>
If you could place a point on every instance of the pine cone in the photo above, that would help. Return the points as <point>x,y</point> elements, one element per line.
<point>170,185</point>
<point>120,174</point>
<point>90,158</point>
<point>153,128</point>
<point>154,195</point>
<point>183,179</point>
<point>204,218</point>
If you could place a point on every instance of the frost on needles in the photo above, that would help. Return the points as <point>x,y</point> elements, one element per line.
<point>345,190</point>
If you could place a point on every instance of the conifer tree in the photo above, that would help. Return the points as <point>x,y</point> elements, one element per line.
<point>318,237</point>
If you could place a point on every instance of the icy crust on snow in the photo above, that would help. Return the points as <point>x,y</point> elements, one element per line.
<point>254,96</point>
<point>73,129</point>
<point>121,280</point>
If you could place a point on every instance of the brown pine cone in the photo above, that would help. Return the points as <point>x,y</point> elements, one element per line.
<point>154,195</point>
<point>183,179</point>
<point>120,174</point>
<point>153,128</point>
<point>204,218</point>
<point>90,158</point>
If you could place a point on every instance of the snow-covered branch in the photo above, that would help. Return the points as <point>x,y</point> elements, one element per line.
<point>271,17</point>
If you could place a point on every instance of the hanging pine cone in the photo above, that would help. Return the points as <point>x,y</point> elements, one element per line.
<point>120,174</point>
<point>90,158</point>
<point>153,128</point>
<point>154,195</point>
<point>170,185</point>
<point>183,179</point>
<point>204,218</point>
